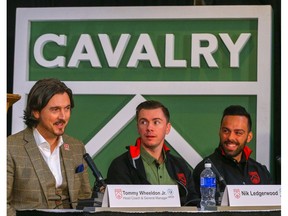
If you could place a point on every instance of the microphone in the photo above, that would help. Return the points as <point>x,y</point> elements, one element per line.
<point>99,178</point>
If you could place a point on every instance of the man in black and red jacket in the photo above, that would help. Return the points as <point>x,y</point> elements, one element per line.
<point>149,161</point>
<point>231,160</point>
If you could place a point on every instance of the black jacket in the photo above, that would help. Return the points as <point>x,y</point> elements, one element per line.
<point>128,168</point>
<point>248,171</point>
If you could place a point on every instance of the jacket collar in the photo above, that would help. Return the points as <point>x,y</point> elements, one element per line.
<point>135,150</point>
<point>246,151</point>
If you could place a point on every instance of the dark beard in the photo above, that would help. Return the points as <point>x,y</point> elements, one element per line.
<point>234,153</point>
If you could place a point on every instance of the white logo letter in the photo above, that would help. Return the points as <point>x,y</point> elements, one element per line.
<point>85,44</point>
<point>169,53</point>
<point>114,58</point>
<point>236,48</point>
<point>144,43</point>
<point>207,52</point>
<point>59,61</point>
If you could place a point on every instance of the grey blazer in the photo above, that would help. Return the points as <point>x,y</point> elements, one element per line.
<point>26,181</point>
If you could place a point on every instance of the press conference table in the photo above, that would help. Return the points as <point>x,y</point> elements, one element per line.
<point>182,211</point>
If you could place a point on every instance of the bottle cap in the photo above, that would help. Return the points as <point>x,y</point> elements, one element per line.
<point>207,165</point>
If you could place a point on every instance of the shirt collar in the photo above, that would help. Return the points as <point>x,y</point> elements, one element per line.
<point>148,158</point>
<point>39,139</point>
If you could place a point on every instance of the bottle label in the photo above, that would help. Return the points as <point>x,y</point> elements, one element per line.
<point>207,182</point>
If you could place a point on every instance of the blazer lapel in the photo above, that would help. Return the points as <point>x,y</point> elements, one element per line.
<point>36,159</point>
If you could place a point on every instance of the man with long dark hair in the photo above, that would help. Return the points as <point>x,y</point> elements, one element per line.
<point>45,167</point>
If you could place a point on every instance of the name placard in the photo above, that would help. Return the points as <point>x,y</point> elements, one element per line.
<point>141,196</point>
<point>252,195</point>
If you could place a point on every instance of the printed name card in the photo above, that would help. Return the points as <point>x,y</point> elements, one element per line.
<point>141,196</point>
<point>252,195</point>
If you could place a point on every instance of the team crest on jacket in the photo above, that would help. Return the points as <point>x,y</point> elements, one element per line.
<point>254,177</point>
<point>66,146</point>
<point>181,178</point>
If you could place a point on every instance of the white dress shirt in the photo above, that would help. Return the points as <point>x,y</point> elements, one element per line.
<point>52,160</point>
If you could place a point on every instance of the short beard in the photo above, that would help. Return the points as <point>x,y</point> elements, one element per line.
<point>234,153</point>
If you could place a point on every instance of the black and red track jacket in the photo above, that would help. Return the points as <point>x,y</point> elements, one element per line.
<point>128,168</point>
<point>247,171</point>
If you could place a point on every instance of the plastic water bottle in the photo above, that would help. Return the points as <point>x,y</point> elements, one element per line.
<point>207,188</point>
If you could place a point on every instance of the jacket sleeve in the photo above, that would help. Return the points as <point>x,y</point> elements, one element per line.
<point>192,198</point>
<point>181,172</point>
<point>268,179</point>
<point>119,171</point>
<point>196,177</point>
<point>10,179</point>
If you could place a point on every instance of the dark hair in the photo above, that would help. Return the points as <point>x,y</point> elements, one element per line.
<point>151,104</point>
<point>237,110</point>
<point>39,96</point>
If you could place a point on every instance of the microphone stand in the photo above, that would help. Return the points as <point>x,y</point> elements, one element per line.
<point>218,194</point>
<point>99,188</point>
<point>94,201</point>
<point>96,190</point>
<point>96,198</point>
